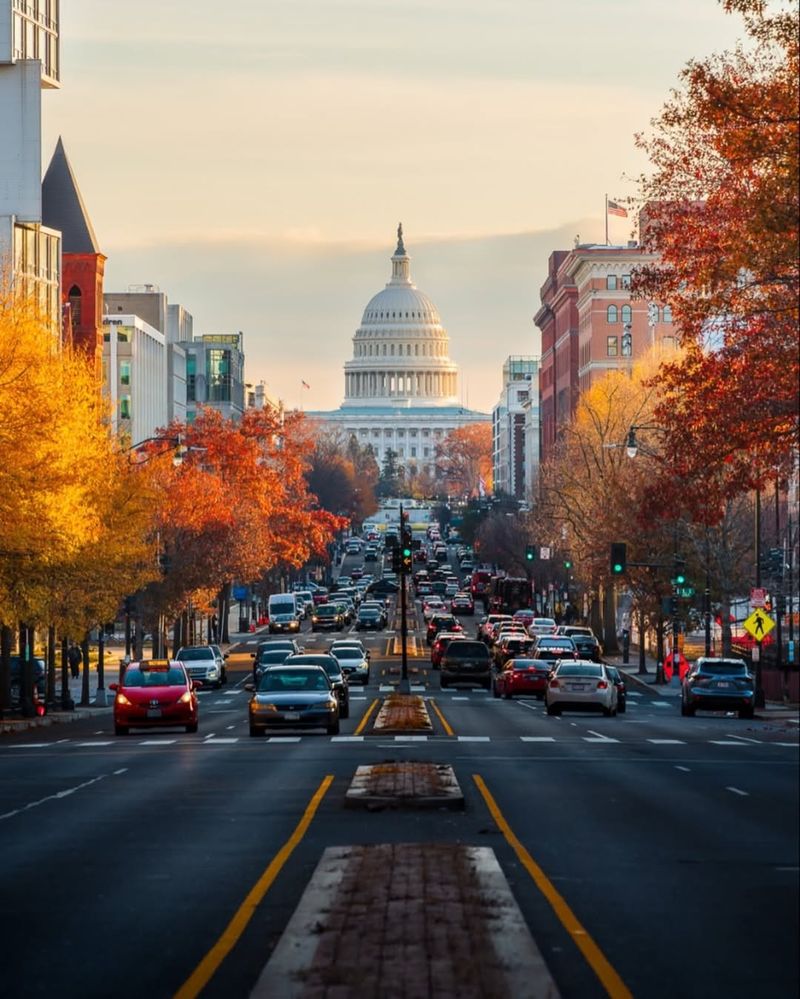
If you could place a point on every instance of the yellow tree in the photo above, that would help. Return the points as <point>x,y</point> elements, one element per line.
<point>464,460</point>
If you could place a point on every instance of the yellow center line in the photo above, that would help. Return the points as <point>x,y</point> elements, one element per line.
<point>207,968</point>
<point>611,981</point>
<point>363,723</point>
<point>445,725</point>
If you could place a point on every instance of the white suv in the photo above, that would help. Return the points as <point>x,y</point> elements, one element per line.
<point>201,663</point>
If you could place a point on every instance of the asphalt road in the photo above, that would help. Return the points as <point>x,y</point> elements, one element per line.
<point>673,840</point>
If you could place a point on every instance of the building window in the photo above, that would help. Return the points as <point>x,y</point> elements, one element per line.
<point>611,282</point>
<point>124,372</point>
<point>416,350</point>
<point>611,314</point>
<point>611,346</point>
<point>75,309</point>
<point>666,315</point>
<point>401,452</point>
<point>413,452</point>
<point>426,452</point>
<point>191,377</point>
<point>627,313</point>
<point>401,433</point>
<point>124,407</point>
<point>392,350</point>
<point>668,342</point>
<point>218,376</point>
<point>626,281</point>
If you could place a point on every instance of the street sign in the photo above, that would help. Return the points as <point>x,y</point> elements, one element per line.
<point>758,597</point>
<point>759,624</point>
<point>544,552</point>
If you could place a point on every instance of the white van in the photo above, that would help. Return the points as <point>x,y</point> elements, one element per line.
<point>283,611</point>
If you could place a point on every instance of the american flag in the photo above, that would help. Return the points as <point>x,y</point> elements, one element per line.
<point>614,209</point>
<point>304,384</point>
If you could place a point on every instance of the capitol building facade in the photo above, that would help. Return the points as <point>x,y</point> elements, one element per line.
<point>401,388</point>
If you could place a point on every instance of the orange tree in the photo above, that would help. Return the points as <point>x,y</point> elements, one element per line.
<point>721,212</point>
<point>236,506</point>
<point>464,459</point>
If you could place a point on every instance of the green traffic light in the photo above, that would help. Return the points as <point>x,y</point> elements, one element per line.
<point>567,564</point>
<point>617,567</point>
<point>680,579</point>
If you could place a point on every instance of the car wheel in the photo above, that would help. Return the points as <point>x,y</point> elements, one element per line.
<point>256,731</point>
<point>553,709</point>
<point>333,728</point>
<point>495,691</point>
<point>747,713</point>
<point>224,676</point>
<point>507,695</point>
<point>121,730</point>
<point>344,710</point>
<point>443,684</point>
<point>191,729</point>
<point>686,711</point>
<point>621,708</point>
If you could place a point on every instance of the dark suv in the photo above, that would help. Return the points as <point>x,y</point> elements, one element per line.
<point>466,661</point>
<point>585,641</point>
<point>39,673</point>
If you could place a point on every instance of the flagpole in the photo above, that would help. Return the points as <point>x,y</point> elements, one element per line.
<point>606,219</point>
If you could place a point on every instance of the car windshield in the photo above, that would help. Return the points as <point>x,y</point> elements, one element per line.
<point>724,668</point>
<point>369,612</point>
<point>552,643</point>
<point>467,650</point>
<point>580,669</point>
<point>522,663</point>
<point>282,607</point>
<point>135,677</point>
<point>277,680</point>
<point>329,663</point>
<point>273,656</point>
<point>348,653</point>
<point>328,610</point>
<point>189,655</point>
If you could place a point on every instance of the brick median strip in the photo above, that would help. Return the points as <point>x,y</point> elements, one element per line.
<point>405,785</point>
<point>406,921</point>
<point>403,713</point>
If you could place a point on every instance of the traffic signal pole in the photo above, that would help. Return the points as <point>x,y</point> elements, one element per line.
<point>404,684</point>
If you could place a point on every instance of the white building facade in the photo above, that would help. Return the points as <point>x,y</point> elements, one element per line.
<point>30,253</point>
<point>515,428</point>
<point>401,387</point>
<point>135,376</point>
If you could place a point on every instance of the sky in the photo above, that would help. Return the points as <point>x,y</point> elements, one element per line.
<point>252,159</point>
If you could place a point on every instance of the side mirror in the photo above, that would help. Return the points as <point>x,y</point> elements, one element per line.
<point>197,684</point>
<point>225,655</point>
<point>113,686</point>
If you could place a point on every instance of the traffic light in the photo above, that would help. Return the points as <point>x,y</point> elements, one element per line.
<point>397,560</point>
<point>405,552</point>
<point>567,563</point>
<point>530,553</point>
<point>619,557</point>
<point>680,573</point>
<point>673,606</point>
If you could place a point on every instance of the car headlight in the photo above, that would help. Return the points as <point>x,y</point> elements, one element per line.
<point>123,701</point>
<point>213,671</point>
<point>259,706</point>
<point>332,704</point>
<point>185,698</point>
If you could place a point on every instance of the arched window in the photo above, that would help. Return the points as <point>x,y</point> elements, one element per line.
<point>627,313</point>
<point>667,314</point>
<point>611,314</point>
<point>384,350</point>
<point>392,350</point>
<point>75,305</point>
<point>416,350</point>
<point>408,350</point>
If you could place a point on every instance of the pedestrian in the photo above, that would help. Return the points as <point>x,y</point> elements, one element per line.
<point>74,658</point>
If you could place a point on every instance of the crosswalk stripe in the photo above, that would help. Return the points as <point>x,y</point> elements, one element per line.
<point>84,745</point>
<point>284,738</point>
<point>347,738</point>
<point>220,742</point>
<point>537,738</point>
<point>725,742</point>
<point>158,742</point>
<point>667,742</point>
<point>474,738</point>
<point>598,738</point>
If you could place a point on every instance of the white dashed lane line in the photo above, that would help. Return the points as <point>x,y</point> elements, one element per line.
<point>736,790</point>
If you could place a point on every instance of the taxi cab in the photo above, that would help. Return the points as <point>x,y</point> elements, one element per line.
<point>154,693</point>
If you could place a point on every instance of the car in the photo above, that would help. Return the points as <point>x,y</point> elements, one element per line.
<point>268,658</point>
<point>336,675</point>
<point>370,619</point>
<point>328,617</point>
<point>293,696</point>
<point>462,603</point>
<point>441,622</point>
<point>585,641</point>
<point>450,588</point>
<point>273,644</point>
<point>284,611</point>
<point>511,646</point>
<point>440,643</point>
<point>524,614</point>
<point>320,596</point>
<point>370,554</point>
<point>221,659</point>
<point>354,663</point>
<point>521,676</point>
<point>39,683</point>
<point>618,680</point>
<point>306,599</point>
<point>487,625</point>
<point>580,684</point>
<point>466,660</point>
<point>153,693</point>
<point>201,663</point>
<point>542,626</point>
<point>349,642</point>
<point>356,573</point>
<point>509,629</point>
<point>385,588</point>
<point>550,656</point>
<point>558,646</point>
<point>718,684</point>
<point>433,605</point>
<point>424,588</point>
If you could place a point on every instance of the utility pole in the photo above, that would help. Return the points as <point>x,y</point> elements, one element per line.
<point>404,684</point>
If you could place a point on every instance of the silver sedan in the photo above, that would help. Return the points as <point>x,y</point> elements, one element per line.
<point>580,685</point>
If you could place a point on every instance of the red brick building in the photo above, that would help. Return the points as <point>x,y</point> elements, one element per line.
<point>590,325</point>
<point>82,262</point>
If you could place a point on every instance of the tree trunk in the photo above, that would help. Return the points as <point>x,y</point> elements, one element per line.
<point>642,641</point>
<point>85,701</point>
<point>595,615</point>
<point>50,697</point>
<point>6,640</point>
<point>610,641</point>
<point>660,639</point>
<point>223,612</point>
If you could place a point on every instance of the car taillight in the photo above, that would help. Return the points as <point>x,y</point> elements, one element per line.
<point>554,683</point>
<point>601,684</point>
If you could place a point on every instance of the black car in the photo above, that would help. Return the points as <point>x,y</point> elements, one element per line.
<point>383,588</point>
<point>466,660</point>
<point>619,682</point>
<point>293,697</point>
<point>333,668</point>
<point>369,618</point>
<point>39,675</point>
<point>718,685</point>
<point>586,642</point>
<point>270,657</point>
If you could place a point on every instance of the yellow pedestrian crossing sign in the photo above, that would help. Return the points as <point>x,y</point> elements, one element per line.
<point>759,624</point>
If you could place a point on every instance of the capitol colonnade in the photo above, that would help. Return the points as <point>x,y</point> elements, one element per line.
<point>400,384</point>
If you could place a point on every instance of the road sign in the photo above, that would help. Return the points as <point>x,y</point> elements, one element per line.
<point>758,597</point>
<point>759,624</point>
<point>544,552</point>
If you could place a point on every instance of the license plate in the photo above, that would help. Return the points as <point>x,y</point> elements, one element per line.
<point>724,683</point>
<point>154,712</point>
<point>578,686</point>
<point>291,715</point>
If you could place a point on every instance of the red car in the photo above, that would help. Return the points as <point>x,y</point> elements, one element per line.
<point>441,622</point>
<point>155,693</point>
<point>522,676</point>
<point>442,640</point>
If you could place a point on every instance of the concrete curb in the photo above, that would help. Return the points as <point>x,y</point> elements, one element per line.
<point>55,718</point>
<point>520,968</point>
<point>448,795</point>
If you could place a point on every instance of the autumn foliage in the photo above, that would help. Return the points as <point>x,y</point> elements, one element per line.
<point>721,211</point>
<point>464,459</point>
